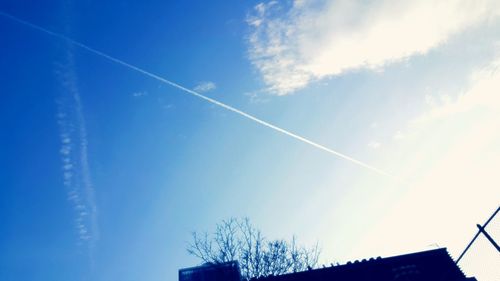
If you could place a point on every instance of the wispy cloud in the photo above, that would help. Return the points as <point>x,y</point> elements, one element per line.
<point>74,155</point>
<point>204,87</point>
<point>257,97</point>
<point>139,94</point>
<point>398,135</point>
<point>450,153</point>
<point>374,144</point>
<point>310,40</point>
<point>481,96</point>
<point>201,96</point>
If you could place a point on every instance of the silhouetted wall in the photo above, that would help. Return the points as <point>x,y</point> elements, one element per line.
<point>434,265</point>
<point>229,271</point>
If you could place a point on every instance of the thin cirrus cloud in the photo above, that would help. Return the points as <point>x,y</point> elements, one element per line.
<point>74,156</point>
<point>374,144</point>
<point>139,94</point>
<point>450,148</point>
<point>204,87</point>
<point>480,96</point>
<point>310,40</point>
<point>459,133</point>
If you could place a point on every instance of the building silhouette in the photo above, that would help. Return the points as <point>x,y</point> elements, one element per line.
<point>433,265</point>
<point>228,271</point>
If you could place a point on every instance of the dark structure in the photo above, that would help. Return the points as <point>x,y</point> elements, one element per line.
<point>433,265</point>
<point>229,271</point>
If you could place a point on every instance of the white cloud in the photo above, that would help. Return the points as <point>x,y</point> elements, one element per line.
<point>374,144</point>
<point>65,149</point>
<point>398,135</point>
<point>482,95</point>
<point>205,87</point>
<point>450,156</point>
<point>168,106</point>
<point>72,197</point>
<point>67,175</point>
<point>139,94</point>
<point>74,155</point>
<point>316,39</point>
<point>256,97</point>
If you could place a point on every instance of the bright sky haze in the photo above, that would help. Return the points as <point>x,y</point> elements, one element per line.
<point>372,128</point>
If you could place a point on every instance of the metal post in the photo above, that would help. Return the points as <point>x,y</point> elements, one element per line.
<point>481,229</point>
<point>477,234</point>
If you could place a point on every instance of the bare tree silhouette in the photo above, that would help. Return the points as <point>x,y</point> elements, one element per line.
<point>238,239</point>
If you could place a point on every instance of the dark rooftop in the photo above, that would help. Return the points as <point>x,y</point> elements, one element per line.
<point>433,265</point>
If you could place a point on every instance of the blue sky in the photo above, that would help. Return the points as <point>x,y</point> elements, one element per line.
<point>105,172</point>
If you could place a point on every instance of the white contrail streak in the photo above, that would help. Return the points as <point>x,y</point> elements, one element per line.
<point>196,94</point>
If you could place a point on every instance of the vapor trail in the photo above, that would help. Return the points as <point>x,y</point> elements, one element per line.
<point>196,94</point>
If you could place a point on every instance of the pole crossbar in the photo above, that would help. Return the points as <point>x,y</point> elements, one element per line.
<point>481,231</point>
